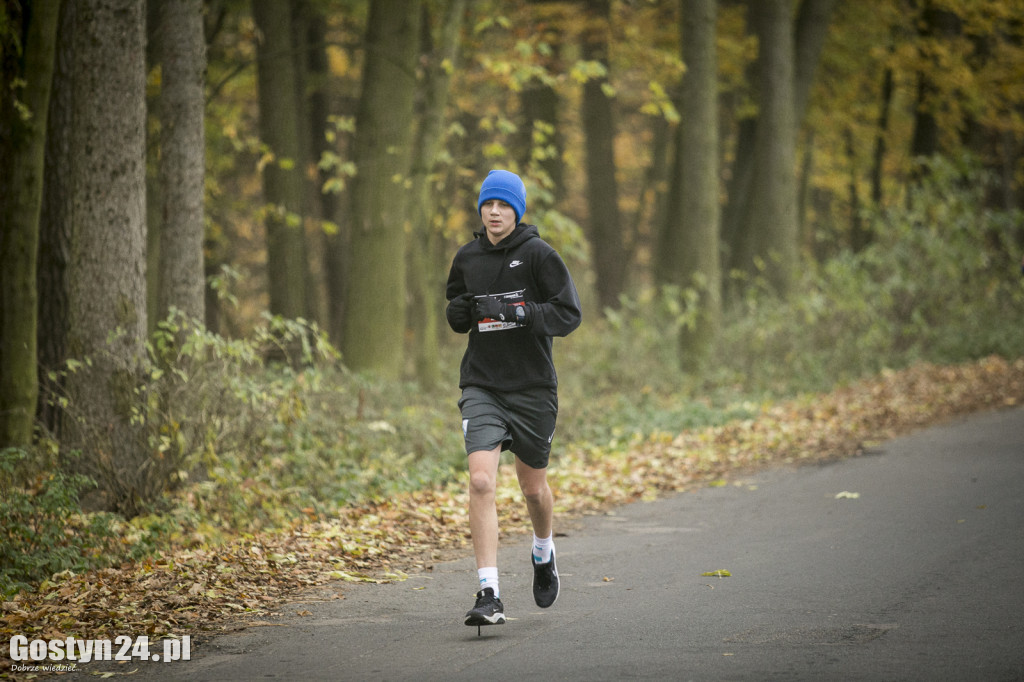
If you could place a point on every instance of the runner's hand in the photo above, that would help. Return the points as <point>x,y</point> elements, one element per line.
<point>460,310</point>
<point>493,309</point>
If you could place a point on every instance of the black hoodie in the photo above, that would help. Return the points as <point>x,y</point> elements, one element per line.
<point>522,268</point>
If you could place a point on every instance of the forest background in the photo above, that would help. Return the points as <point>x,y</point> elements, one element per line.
<point>227,226</point>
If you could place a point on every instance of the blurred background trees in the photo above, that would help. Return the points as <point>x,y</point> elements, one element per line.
<point>319,160</point>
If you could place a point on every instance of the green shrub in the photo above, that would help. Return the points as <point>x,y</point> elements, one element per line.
<point>230,440</point>
<point>620,375</point>
<point>42,529</point>
<point>339,438</point>
<point>940,282</point>
<point>197,397</point>
<point>254,444</point>
<point>239,442</point>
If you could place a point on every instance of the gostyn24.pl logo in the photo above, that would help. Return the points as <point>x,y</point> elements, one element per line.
<point>75,650</point>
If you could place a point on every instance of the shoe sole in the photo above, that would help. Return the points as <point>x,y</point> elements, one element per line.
<point>498,619</point>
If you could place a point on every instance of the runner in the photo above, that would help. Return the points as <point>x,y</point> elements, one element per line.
<point>511,291</point>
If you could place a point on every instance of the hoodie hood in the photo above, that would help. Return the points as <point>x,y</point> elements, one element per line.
<point>520,234</point>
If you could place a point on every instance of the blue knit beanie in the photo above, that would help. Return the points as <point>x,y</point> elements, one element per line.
<point>507,186</point>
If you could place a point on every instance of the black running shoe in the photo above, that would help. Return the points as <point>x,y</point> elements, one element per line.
<point>545,581</point>
<point>488,610</point>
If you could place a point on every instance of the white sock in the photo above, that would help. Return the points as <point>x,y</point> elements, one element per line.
<point>489,578</point>
<point>542,548</point>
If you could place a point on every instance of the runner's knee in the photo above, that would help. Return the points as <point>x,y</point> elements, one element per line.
<point>535,491</point>
<point>481,483</point>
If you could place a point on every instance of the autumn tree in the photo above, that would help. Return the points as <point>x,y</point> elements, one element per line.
<point>541,138</point>
<point>690,239</point>
<point>282,180</point>
<point>768,235</point>
<point>55,220</point>
<point>760,220</point>
<point>602,190</point>
<point>812,24</point>
<point>935,23</point>
<point>906,80</point>
<point>375,309</point>
<point>312,127</point>
<point>182,159</point>
<point>332,238</point>
<point>27,47</point>
<point>861,236</point>
<point>106,270</point>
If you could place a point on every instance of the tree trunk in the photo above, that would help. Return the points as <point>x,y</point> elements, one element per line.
<point>738,195</point>
<point>25,78</point>
<point>154,204</point>
<point>811,29</point>
<point>182,158</point>
<point>606,237</point>
<point>880,146</point>
<point>925,142</point>
<point>106,275</point>
<point>540,140</point>
<point>375,310</point>
<point>694,203</point>
<point>282,177</point>
<point>812,23</point>
<point>935,23</point>
<point>859,231</point>
<point>55,230</point>
<point>770,231</point>
<point>649,224</point>
<point>333,244</point>
<point>303,12</point>
<point>426,276</point>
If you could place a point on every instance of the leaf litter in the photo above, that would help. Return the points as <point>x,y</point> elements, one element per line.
<point>206,590</point>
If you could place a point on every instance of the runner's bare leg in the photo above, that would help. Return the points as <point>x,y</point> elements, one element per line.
<point>539,501</point>
<point>483,513</point>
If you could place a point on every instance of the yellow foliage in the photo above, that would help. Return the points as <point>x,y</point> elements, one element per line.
<point>338,62</point>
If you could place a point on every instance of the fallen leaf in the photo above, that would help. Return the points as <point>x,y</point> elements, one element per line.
<point>720,573</point>
<point>351,577</point>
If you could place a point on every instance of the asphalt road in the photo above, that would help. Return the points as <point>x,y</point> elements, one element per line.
<point>917,574</point>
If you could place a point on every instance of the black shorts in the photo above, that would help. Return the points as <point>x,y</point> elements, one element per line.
<point>521,421</point>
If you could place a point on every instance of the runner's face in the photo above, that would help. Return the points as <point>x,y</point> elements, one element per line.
<point>499,219</point>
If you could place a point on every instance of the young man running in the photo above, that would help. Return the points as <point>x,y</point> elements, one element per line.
<point>512,292</point>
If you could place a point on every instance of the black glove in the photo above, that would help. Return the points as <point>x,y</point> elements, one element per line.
<point>460,310</point>
<point>492,308</point>
<point>488,308</point>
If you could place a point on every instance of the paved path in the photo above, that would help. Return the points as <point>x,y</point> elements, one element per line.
<point>918,577</point>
